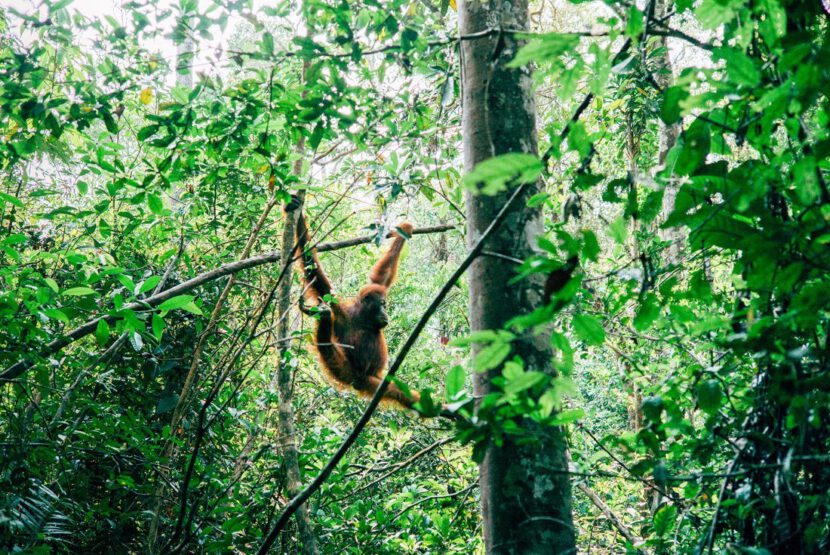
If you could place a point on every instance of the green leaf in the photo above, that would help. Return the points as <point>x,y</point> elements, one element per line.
<point>548,402</point>
<point>112,127</point>
<point>149,284</point>
<point>11,200</point>
<point>482,336</point>
<point>664,520</point>
<point>714,13</point>
<point>166,403</point>
<point>176,302</point>
<point>652,408</point>
<point>619,230</point>
<point>588,329</point>
<point>53,285</point>
<point>127,282</point>
<point>523,381</point>
<point>426,405</point>
<point>578,139</point>
<point>805,180</point>
<point>492,175</point>
<point>545,48</point>
<point>267,44</point>
<point>600,69</point>
<point>647,312</point>
<point>147,132</point>
<point>454,382</point>
<point>694,146</point>
<point>774,23</point>
<point>567,417</point>
<point>590,245</point>
<point>232,525</point>
<point>538,200</point>
<point>158,326</point>
<point>709,396</point>
<point>78,292</point>
<point>722,230</point>
<point>670,110</point>
<point>317,135</point>
<point>740,68</point>
<point>491,356</point>
<point>102,332</point>
<point>155,203</point>
<point>56,314</point>
<point>634,23</point>
<point>15,239</point>
<point>136,341</point>
<point>58,5</point>
<point>192,308</point>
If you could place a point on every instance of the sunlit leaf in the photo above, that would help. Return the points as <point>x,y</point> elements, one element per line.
<point>176,302</point>
<point>146,96</point>
<point>494,174</point>
<point>78,291</point>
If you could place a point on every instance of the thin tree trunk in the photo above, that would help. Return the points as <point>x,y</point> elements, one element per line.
<point>284,382</point>
<point>635,408</point>
<point>170,451</point>
<point>525,491</point>
<point>667,139</point>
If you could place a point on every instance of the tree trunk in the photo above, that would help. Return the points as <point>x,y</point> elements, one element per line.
<point>284,381</point>
<point>667,139</point>
<point>525,493</point>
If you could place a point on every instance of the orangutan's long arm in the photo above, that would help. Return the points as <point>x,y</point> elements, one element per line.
<point>385,270</point>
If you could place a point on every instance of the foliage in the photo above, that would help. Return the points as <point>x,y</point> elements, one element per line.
<point>691,373</point>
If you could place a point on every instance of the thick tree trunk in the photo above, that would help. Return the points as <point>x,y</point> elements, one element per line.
<point>525,493</point>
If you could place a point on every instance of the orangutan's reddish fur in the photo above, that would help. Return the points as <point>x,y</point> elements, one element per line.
<point>349,334</point>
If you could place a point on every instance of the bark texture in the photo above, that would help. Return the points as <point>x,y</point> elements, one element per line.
<point>525,493</point>
<point>667,139</point>
<point>283,379</point>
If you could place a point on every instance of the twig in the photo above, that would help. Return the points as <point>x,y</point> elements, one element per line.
<point>677,34</point>
<point>397,465</point>
<point>400,513</point>
<point>321,52</point>
<point>609,514</point>
<point>392,469</point>
<point>617,460</point>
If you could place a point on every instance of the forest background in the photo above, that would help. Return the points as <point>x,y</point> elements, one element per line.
<point>158,389</point>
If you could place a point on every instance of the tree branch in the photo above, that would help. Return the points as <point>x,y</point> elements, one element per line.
<point>612,518</point>
<point>19,367</point>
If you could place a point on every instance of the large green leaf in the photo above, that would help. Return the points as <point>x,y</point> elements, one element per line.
<point>588,329</point>
<point>78,291</point>
<point>455,382</point>
<point>176,302</point>
<point>494,174</point>
<point>709,396</point>
<point>549,47</point>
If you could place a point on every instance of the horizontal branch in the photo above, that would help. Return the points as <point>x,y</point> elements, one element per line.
<point>18,368</point>
<point>322,53</point>
<point>369,238</point>
<point>678,34</point>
